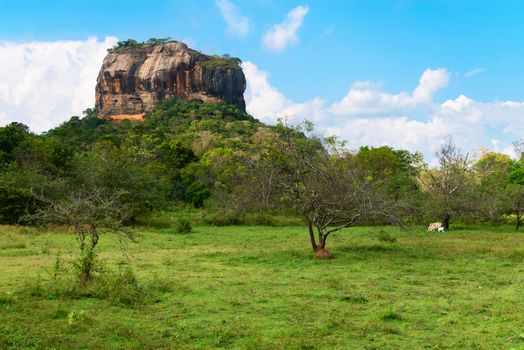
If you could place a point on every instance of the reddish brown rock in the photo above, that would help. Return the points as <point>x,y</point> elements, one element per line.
<point>132,80</point>
<point>128,116</point>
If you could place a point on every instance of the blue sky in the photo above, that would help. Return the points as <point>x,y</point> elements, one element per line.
<point>330,47</point>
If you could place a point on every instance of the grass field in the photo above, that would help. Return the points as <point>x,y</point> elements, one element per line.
<point>258,288</point>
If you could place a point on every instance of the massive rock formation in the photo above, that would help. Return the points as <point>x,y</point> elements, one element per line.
<point>132,80</point>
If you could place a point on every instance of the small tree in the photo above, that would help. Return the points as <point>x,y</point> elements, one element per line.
<point>493,186</point>
<point>515,191</point>
<point>89,212</point>
<point>104,192</point>
<point>11,137</point>
<point>448,187</point>
<point>311,176</point>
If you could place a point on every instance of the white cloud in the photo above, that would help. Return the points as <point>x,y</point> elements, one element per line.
<point>283,34</point>
<point>45,83</point>
<point>511,151</point>
<point>414,121</point>
<point>263,100</point>
<point>430,82</point>
<point>399,132</point>
<point>268,104</point>
<point>474,72</point>
<point>237,24</point>
<point>4,120</point>
<point>366,97</point>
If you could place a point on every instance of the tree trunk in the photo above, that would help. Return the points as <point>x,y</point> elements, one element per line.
<point>519,221</point>
<point>320,250</point>
<point>87,263</point>
<point>85,277</point>
<point>311,234</point>
<point>445,222</point>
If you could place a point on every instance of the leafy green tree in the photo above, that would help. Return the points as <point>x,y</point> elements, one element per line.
<point>15,195</point>
<point>494,195</point>
<point>515,191</point>
<point>11,137</point>
<point>394,172</point>
<point>106,167</point>
<point>195,182</point>
<point>175,154</point>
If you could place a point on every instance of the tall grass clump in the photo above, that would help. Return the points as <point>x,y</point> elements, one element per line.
<point>118,286</point>
<point>183,225</point>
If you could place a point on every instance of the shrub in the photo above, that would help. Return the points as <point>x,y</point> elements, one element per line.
<point>260,219</point>
<point>225,219</point>
<point>121,288</point>
<point>15,198</point>
<point>391,315</point>
<point>196,192</point>
<point>76,318</point>
<point>6,298</point>
<point>183,226</point>
<point>386,237</point>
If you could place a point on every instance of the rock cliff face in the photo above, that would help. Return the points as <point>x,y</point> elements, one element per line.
<point>132,80</point>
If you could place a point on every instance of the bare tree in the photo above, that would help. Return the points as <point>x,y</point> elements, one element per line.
<point>104,192</point>
<point>449,185</point>
<point>89,213</point>
<point>518,147</point>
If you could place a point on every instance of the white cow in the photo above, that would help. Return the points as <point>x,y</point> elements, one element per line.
<point>440,229</point>
<point>435,226</point>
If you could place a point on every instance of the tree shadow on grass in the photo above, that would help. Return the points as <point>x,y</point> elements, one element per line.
<point>386,249</point>
<point>157,225</point>
<point>285,257</point>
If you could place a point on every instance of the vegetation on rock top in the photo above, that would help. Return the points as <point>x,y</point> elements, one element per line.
<point>132,43</point>
<point>211,62</point>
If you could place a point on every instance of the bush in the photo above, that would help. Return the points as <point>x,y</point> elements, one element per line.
<point>76,318</point>
<point>260,220</point>
<point>196,192</point>
<point>14,196</point>
<point>183,226</point>
<point>121,288</point>
<point>225,219</point>
<point>386,237</point>
<point>391,315</point>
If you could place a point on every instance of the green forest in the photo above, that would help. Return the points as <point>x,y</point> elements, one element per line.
<point>213,156</point>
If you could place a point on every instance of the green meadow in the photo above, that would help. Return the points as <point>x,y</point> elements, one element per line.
<point>257,287</point>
